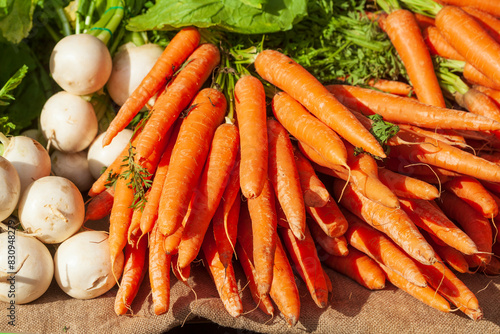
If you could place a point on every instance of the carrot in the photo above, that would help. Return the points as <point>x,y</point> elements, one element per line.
<point>391,86</point>
<point>100,205</point>
<point>492,268</point>
<point>424,21</point>
<point>473,193</point>
<point>454,258</point>
<point>171,243</point>
<point>263,301</point>
<point>489,22</point>
<point>402,164</point>
<point>224,278</point>
<point>309,129</point>
<point>476,77</point>
<point>481,104</point>
<point>179,48</point>
<point>489,6</point>
<point>329,218</point>
<point>472,222</point>
<point>284,177</point>
<point>492,93</point>
<point>426,295</point>
<point>328,281</point>
<point>401,27</point>
<point>208,193</point>
<point>289,76</point>
<point>429,218</point>
<point>332,245</point>
<point>467,36</point>
<point>188,156</point>
<point>407,187</point>
<point>183,274</point>
<point>134,230</point>
<point>393,222</point>
<point>400,109</point>
<point>438,45</point>
<point>381,249</point>
<point>159,272</point>
<point>448,137</point>
<point>226,230</point>
<point>250,105</point>
<point>179,93</point>
<point>133,273</point>
<point>359,267</point>
<point>313,190</point>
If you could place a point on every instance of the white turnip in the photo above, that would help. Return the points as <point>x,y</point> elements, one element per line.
<point>68,122</point>
<point>52,209</point>
<point>80,64</point>
<point>10,188</point>
<point>82,265</point>
<point>100,157</point>
<point>74,167</point>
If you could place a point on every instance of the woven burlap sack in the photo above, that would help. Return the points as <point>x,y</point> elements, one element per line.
<point>353,309</point>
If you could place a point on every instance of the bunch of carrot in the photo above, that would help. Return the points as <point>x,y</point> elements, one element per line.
<point>324,180</point>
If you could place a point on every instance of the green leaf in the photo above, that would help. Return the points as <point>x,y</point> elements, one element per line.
<point>16,19</point>
<point>11,84</point>
<point>382,130</point>
<point>231,15</point>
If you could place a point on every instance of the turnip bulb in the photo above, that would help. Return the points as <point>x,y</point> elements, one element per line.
<point>80,64</point>
<point>82,265</point>
<point>32,270</point>
<point>52,209</point>
<point>29,158</point>
<point>68,122</point>
<point>100,157</point>
<point>10,188</point>
<point>74,167</point>
<point>130,65</point>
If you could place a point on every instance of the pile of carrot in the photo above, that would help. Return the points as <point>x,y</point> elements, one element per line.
<point>309,178</point>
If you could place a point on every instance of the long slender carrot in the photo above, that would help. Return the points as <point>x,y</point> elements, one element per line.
<point>100,205</point>
<point>171,243</point>
<point>407,187</point>
<point>133,273</point>
<point>250,105</point>
<point>177,97</point>
<point>393,222</point>
<point>492,93</point>
<point>208,193</point>
<point>429,218</point>
<point>329,218</point>
<point>331,245</point>
<point>359,267</point>
<point>438,45</point>
<point>223,277</point>
<point>489,22</point>
<point>401,27</point>
<point>479,103</point>
<point>159,272</point>
<point>176,52</point>
<point>284,177</point>
<point>476,77</point>
<point>286,74</point>
<point>134,229</point>
<point>381,249</point>
<point>489,6</point>
<point>225,227</point>
<point>404,110</point>
<point>391,86</point>
<point>454,258</point>
<point>188,157</point>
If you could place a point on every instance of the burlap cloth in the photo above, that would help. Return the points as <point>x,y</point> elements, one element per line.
<point>353,309</point>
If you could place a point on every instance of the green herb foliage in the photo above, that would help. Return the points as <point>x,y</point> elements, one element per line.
<point>16,19</point>
<point>382,130</point>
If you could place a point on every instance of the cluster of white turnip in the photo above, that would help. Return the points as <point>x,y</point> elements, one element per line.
<point>44,192</point>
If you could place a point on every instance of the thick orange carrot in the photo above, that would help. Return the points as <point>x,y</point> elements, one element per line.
<point>391,86</point>
<point>208,193</point>
<point>473,193</point>
<point>381,249</point>
<point>291,77</point>
<point>133,273</point>
<point>424,21</point>
<point>454,258</point>
<point>407,187</point>
<point>404,110</point>
<point>489,6</point>
<point>159,272</point>
<point>224,278</point>
<point>308,129</point>
<point>331,245</point>
<point>467,36</point>
<point>393,222</point>
<point>472,222</point>
<point>476,77</point>
<point>480,103</point>
<point>188,157</point>
<point>429,218</point>
<point>176,52</point>
<point>177,97</point>
<point>314,191</point>
<point>438,45</point>
<point>284,177</point>
<point>489,22</point>
<point>421,171</point>
<point>225,225</point>
<point>329,218</point>
<point>359,267</point>
<point>171,243</point>
<point>250,105</point>
<point>100,205</point>
<point>402,27</point>
<point>492,93</point>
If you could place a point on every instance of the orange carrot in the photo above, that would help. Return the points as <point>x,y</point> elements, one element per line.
<point>289,76</point>
<point>177,97</point>
<point>381,249</point>
<point>133,273</point>
<point>179,48</point>
<point>359,267</point>
<point>314,191</point>
<point>309,129</point>
<point>250,105</point>
<point>438,45</point>
<point>476,77</point>
<point>489,6</point>
<point>492,93</point>
<point>489,22</point>
<point>391,86</point>
<point>100,205</point>
<point>134,230</point>
<point>480,104</point>
<point>159,272</point>
<point>393,222</point>
<point>401,27</point>
<point>188,156</point>
<point>407,187</point>
<point>454,258</point>
<point>329,218</point>
<point>226,230</point>
<point>171,243</point>
<point>224,278</point>
<point>284,177</point>
<point>183,274</point>
<point>492,268</point>
<point>424,21</point>
<point>208,193</point>
<point>331,245</point>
